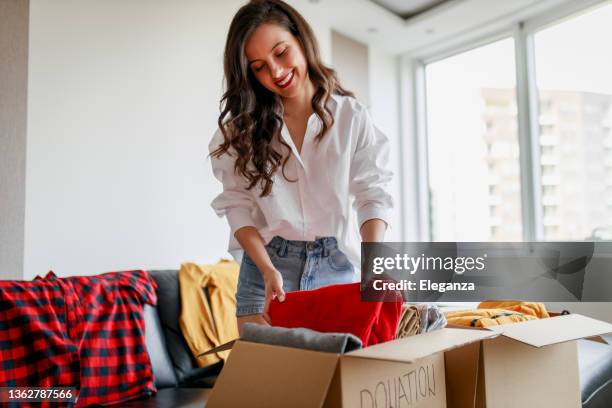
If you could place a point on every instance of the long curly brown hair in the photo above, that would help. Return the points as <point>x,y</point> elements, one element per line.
<point>249,116</point>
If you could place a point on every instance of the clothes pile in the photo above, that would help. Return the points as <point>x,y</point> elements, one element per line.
<point>494,313</point>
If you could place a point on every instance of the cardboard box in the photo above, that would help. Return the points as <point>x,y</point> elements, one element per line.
<point>529,364</point>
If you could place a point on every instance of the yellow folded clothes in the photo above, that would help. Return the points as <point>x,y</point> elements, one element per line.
<point>208,308</point>
<point>528,308</point>
<point>485,317</point>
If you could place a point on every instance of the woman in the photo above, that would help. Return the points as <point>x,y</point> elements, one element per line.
<point>294,150</point>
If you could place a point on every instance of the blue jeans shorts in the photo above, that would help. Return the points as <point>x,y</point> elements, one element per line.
<point>303,264</point>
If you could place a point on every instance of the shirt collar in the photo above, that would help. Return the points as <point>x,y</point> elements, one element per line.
<point>334,101</point>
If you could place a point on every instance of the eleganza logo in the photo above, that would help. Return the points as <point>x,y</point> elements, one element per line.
<point>412,264</point>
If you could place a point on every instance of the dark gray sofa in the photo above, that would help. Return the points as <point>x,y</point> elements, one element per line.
<point>182,384</point>
<point>595,363</point>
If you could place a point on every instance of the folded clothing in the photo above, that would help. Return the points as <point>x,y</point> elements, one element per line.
<point>300,338</point>
<point>338,309</point>
<point>431,317</point>
<point>419,318</point>
<point>527,308</point>
<point>486,317</point>
<point>409,324</point>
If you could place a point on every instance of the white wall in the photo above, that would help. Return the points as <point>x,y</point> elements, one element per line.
<point>384,101</point>
<point>350,60</point>
<point>123,99</point>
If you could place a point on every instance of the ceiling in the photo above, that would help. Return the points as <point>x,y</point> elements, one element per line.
<point>409,8</point>
<point>381,23</point>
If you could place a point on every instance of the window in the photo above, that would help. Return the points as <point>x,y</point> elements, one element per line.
<point>473,149</point>
<point>574,83</point>
<point>477,189</point>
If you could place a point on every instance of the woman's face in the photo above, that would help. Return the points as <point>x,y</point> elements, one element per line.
<point>276,58</point>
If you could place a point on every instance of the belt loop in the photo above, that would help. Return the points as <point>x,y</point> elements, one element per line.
<point>325,247</point>
<point>282,248</point>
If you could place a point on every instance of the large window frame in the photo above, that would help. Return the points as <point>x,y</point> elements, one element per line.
<point>414,106</point>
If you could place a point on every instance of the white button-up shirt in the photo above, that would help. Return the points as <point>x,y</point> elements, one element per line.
<point>341,183</point>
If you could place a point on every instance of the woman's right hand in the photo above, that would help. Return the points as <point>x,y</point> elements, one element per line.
<point>273,281</point>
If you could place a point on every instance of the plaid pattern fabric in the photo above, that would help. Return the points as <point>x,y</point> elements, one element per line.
<point>35,349</point>
<point>84,331</point>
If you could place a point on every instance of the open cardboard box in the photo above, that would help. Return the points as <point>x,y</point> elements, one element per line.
<point>529,364</point>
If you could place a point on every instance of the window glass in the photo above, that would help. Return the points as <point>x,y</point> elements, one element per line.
<point>574,81</point>
<point>473,151</point>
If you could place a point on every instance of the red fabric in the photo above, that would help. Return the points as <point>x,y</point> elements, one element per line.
<point>84,331</point>
<point>338,309</point>
<point>35,348</point>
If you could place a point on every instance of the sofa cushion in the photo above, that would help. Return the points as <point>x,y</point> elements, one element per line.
<point>595,363</point>
<point>156,347</point>
<point>168,308</point>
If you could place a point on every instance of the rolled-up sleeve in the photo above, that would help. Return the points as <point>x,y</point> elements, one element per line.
<point>235,202</point>
<point>370,175</point>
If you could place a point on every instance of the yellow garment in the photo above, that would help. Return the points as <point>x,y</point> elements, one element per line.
<point>208,323</point>
<point>485,317</point>
<point>528,308</point>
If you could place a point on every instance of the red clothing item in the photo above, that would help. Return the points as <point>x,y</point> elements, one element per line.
<point>338,309</point>
<point>109,332</point>
<point>85,332</point>
<point>35,346</point>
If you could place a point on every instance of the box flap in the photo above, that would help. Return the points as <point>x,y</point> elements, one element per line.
<point>461,370</point>
<point>412,348</point>
<point>222,347</point>
<point>261,375</point>
<point>539,333</point>
<point>598,339</point>
<point>518,375</point>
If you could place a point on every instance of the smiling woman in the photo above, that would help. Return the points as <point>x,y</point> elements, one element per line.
<point>294,152</point>
<point>278,66</point>
<point>267,41</point>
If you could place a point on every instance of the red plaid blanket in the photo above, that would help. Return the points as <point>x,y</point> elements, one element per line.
<point>85,332</point>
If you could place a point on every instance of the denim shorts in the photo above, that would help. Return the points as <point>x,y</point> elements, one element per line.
<point>303,264</point>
